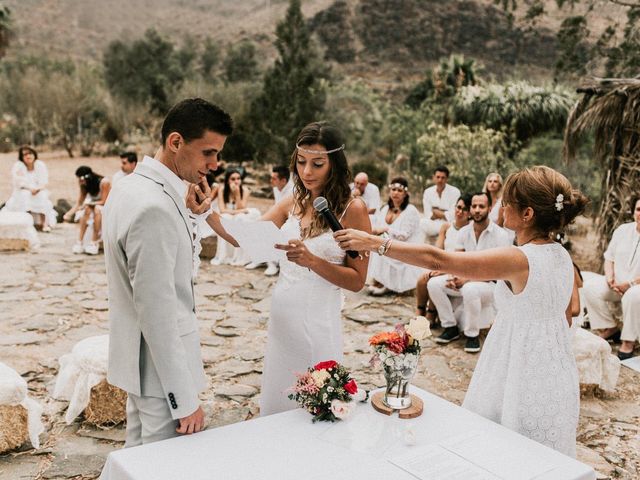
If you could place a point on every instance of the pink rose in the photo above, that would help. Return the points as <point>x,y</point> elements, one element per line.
<point>340,409</point>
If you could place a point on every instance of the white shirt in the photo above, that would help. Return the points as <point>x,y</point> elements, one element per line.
<point>371,196</point>
<point>117,176</point>
<point>286,191</point>
<point>624,252</point>
<point>491,237</point>
<point>451,237</point>
<point>446,201</point>
<point>175,181</point>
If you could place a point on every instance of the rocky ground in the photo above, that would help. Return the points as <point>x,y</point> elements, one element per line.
<point>51,299</point>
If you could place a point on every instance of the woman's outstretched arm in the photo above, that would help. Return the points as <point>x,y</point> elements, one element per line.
<point>505,263</point>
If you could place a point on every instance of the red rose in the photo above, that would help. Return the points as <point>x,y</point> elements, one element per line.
<point>325,365</point>
<point>351,387</point>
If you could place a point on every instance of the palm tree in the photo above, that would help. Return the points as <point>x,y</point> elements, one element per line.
<point>519,109</point>
<point>5,28</point>
<point>610,108</point>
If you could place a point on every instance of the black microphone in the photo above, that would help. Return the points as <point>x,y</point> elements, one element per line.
<point>322,207</point>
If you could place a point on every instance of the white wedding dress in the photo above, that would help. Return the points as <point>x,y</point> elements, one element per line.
<point>526,378</point>
<point>305,325</point>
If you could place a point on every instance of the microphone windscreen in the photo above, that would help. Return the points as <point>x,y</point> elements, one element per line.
<point>320,204</point>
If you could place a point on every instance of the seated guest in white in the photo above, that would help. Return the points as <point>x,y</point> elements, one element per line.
<point>29,178</point>
<point>438,202</point>
<point>401,221</point>
<point>94,190</point>
<point>282,187</point>
<point>368,192</point>
<point>493,186</point>
<point>128,162</point>
<point>232,203</point>
<point>619,284</point>
<point>447,240</point>
<point>482,234</point>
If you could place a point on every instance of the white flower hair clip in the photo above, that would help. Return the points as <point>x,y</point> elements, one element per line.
<point>559,202</point>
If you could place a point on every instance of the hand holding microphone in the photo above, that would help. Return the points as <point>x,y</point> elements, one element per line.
<point>322,207</point>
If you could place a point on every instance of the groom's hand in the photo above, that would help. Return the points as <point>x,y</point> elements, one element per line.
<point>192,424</point>
<point>198,198</point>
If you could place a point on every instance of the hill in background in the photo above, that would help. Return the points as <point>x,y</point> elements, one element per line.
<point>392,39</point>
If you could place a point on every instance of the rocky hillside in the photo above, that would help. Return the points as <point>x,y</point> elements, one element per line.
<point>382,38</point>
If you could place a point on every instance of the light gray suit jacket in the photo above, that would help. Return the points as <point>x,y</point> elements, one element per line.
<point>154,345</point>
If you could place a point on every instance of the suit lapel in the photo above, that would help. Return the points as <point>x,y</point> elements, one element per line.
<point>155,176</point>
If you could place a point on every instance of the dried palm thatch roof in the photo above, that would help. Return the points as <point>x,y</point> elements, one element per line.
<point>610,108</point>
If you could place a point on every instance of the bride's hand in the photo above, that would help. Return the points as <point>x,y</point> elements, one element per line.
<point>351,239</point>
<point>298,253</point>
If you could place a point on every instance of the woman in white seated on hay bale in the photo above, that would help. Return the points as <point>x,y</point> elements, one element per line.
<point>30,178</point>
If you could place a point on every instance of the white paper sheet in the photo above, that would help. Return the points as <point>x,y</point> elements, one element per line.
<point>257,239</point>
<point>433,462</point>
<point>488,452</point>
<point>632,363</point>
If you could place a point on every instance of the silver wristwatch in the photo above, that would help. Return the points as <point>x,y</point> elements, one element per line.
<point>382,249</point>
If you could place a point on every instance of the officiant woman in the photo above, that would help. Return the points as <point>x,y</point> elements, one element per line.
<point>526,378</point>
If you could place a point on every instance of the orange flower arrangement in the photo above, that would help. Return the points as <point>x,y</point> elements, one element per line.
<point>392,340</point>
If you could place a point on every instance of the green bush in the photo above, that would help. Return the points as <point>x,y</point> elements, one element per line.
<point>469,154</point>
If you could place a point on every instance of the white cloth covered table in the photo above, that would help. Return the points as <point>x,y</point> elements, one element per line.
<point>80,371</point>
<point>288,446</point>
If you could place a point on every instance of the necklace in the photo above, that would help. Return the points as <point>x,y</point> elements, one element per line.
<point>535,237</point>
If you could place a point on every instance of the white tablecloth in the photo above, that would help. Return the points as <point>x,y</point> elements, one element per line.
<point>289,446</point>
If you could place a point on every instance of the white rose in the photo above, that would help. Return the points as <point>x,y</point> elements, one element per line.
<point>319,377</point>
<point>360,395</point>
<point>341,409</point>
<point>418,328</point>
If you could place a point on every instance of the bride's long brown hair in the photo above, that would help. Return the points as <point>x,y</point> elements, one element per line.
<point>336,190</point>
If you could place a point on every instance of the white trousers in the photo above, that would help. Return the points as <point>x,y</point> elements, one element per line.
<point>473,294</point>
<point>148,420</point>
<point>597,296</point>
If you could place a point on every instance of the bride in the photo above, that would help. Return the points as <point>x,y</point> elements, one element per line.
<point>305,325</point>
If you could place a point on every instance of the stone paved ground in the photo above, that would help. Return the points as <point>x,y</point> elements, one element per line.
<point>51,299</point>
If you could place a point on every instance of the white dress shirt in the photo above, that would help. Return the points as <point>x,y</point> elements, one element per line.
<point>371,196</point>
<point>624,252</point>
<point>286,190</point>
<point>491,237</point>
<point>446,201</point>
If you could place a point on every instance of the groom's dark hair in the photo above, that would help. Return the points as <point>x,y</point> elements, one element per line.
<point>193,116</point>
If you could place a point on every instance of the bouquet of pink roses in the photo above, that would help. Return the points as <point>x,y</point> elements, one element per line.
<point>326,391</point>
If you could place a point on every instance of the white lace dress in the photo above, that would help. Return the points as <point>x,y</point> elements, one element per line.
<point>526,378</point>
<point>305,325</point>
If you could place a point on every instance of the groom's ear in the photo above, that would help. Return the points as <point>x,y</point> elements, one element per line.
<point>174,139</point>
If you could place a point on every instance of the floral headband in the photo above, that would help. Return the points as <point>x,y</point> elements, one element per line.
<point>319,152</point>
<point>398,185</point>
<point>559,202</point>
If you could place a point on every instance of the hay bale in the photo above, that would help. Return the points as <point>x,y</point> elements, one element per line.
<point>107,405</point>
<point>14,429</point>
<point>209,245</point>
<point>14,244</point>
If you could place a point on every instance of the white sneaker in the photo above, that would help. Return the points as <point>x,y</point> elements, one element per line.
<point>253,265</point>
<point>271,270</point>
<point>215,261</point>
<point>77,248</point>
<point>92,249</point>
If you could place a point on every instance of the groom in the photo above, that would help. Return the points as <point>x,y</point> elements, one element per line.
<point>154,345</point>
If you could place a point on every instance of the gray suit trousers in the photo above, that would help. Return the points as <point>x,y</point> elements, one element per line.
<point>148,420</point>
